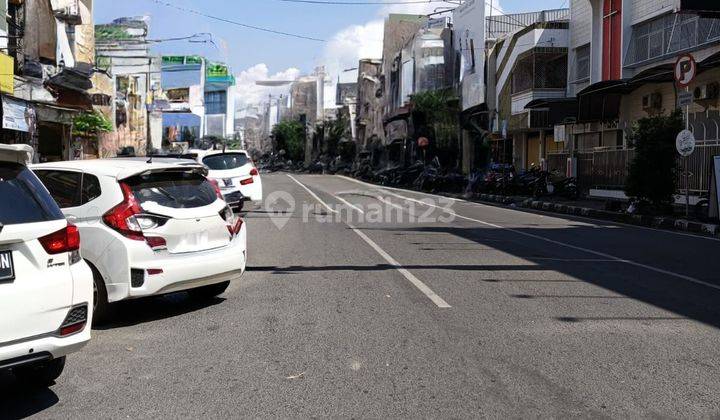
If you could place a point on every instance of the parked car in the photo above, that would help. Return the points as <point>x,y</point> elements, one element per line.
<point>149,226</point>
<point>234,171</point>
<point>46,292</point>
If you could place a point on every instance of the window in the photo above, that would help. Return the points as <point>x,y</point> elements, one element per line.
<point>178,95</point>
<point>90,188</point>
<point>24,199</point>
<point>225,161</point>
<point>216,102</point>
<point>669,35</point>
<point>178,190</point>
<point>582,63</point>
<point>64,186</point>
<point>540,70</point>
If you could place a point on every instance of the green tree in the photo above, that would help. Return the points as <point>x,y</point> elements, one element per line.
<point>653,171</point>
<point>290,136</point>
<point>89,124</point>
<point>436,117</point>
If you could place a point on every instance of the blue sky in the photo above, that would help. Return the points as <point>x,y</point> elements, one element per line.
<point>245,47</point>
<point>352,32</point>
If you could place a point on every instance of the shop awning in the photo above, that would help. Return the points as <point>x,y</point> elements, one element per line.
<point>560,110</point>
<point>601,101</point>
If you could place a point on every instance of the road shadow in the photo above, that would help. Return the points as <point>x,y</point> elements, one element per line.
<point>663,287</point>
<point>385,267</point>
<point>141,311</point>
<point>18,402</point>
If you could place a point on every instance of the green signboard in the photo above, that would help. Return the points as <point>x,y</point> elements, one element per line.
<point>179,60</point>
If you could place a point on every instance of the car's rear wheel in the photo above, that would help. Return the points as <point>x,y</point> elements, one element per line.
<point>40,374</point>
<point>101,307</point>
<point>209,291</point>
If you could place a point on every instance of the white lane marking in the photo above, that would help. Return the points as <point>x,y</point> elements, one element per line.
<point>437,300</point>
<point>536,212</point>
<point>390,203</point>
<point>330,209</point>
<point>578,248</point>
<point>349,204</point>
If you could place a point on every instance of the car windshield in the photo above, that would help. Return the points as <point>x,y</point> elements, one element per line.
<point>175,189</point>
<point>225,161</point>
<point>24,198</point>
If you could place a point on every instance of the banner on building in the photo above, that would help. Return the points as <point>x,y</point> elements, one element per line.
<point>17,115</point>
<point>7,71</point>
<point>469,24</point>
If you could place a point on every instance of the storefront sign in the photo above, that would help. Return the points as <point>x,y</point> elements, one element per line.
<point>17,115</point>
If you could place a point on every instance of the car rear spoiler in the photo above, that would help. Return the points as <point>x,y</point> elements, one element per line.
<point>163,167</point>
<point>18,153</point>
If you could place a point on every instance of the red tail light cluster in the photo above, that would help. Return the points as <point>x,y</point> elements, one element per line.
<point>216,186</point>
<point>121,217</point>
<point>126,219</point>
<point>254,172</point>
<point>247,181</point>
<point>64,240</point>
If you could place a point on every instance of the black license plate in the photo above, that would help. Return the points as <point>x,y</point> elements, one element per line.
<point>7,269</point>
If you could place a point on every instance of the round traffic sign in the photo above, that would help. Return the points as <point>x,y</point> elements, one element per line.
<point>685,143</point>
<point>685,69</point>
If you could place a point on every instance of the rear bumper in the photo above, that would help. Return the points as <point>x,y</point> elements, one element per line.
<point>185,271</point>
<point>22,351</point>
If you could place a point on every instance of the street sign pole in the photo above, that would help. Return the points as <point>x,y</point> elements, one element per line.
<point>687,162</point>
<point>685,72</point>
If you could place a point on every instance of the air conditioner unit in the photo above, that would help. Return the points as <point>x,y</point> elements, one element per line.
<point>652,102</point>
<point>707,92</point>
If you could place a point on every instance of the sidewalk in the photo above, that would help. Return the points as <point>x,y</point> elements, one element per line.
<point>596,209</point>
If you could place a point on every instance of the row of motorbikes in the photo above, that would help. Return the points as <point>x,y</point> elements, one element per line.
<point>503,179</point>
<point>432,177</point>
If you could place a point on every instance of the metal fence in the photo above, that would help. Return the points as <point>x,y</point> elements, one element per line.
<point>700,165</point>
<point>609,168</point>
<point>500,25</point>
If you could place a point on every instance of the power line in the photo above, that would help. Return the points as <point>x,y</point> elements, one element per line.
<point>364,3</point>
<point>232,22</point>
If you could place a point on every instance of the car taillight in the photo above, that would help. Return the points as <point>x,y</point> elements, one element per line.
<point>64,240</point>
<point>122,217</point>
<point>254,172</point>
<point>238,226</point>
<point>216,185</point>
<point>247,181</point>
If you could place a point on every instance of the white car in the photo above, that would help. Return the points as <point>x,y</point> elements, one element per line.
<point>46,292</point>
<point>149,227</point>
<point>234,171</point>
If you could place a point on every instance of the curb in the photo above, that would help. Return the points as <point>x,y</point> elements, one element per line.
<point>657,222</point>
<point>666,223</point>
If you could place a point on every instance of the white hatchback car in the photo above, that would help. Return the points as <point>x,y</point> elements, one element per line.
<point>46,290</point>
<point>149,227</point>
<point>234,171</point>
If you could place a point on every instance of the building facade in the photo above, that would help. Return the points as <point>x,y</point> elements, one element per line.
<point>123,52</point>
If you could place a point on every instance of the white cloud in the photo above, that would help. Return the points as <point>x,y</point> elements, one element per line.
<point>249,94</point>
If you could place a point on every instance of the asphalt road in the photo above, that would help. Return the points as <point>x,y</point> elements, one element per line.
<point>406,305</point>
